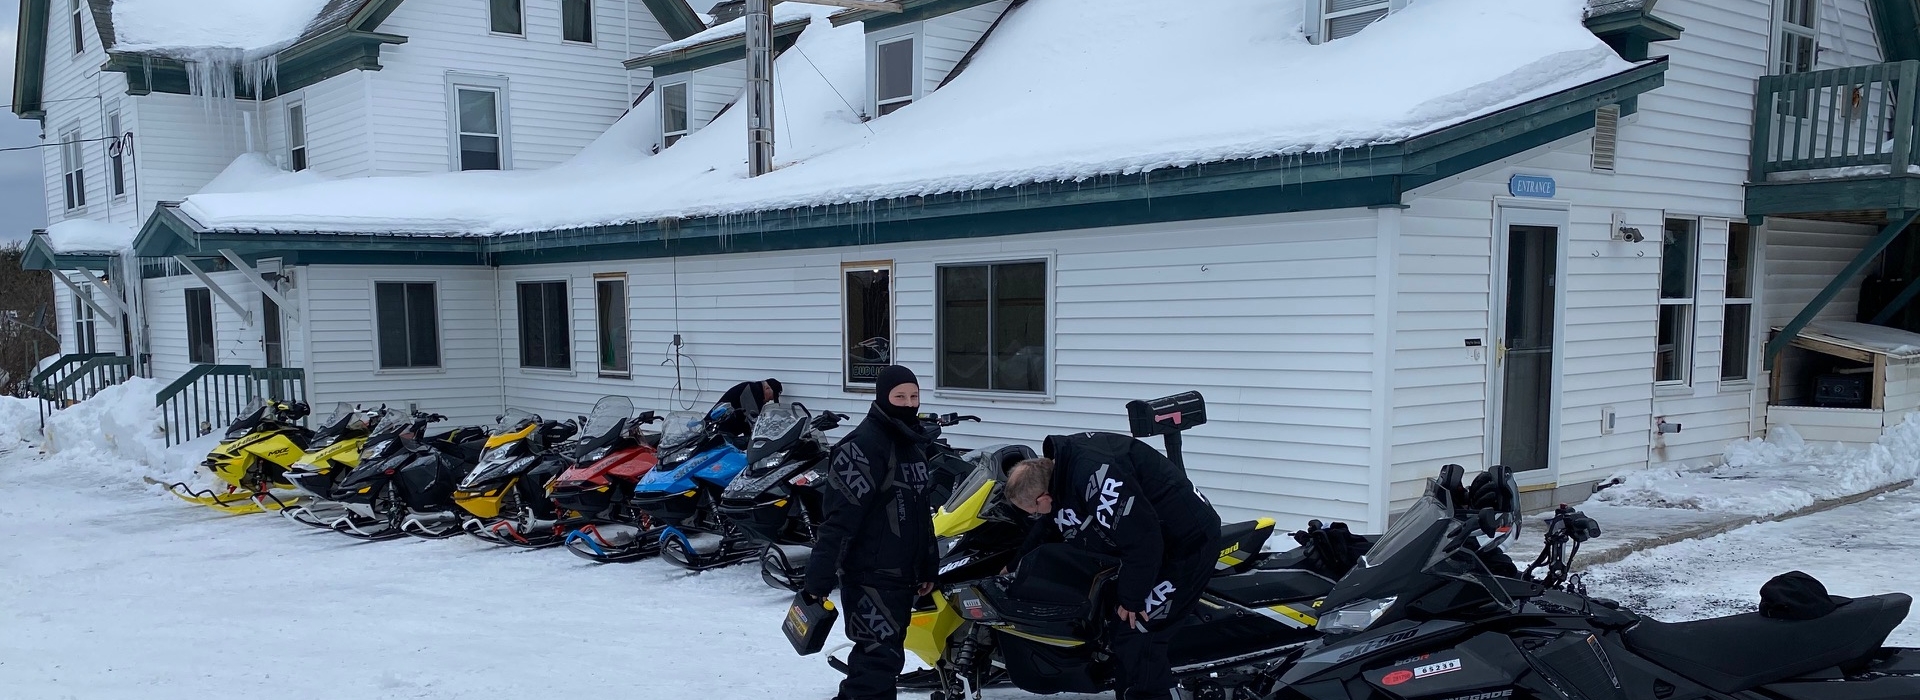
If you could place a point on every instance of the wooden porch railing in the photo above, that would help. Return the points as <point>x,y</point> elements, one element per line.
<point>1840,122</point>
<point>77,377</point>
<point>209,397</point>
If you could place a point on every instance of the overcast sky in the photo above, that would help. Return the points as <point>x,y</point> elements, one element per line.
<point>23,205</point>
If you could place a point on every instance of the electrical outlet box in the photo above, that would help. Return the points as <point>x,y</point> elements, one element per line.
<point>1607,416</point>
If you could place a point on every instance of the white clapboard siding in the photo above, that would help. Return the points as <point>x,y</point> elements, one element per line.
<point>340,361</point>
<point>712,90</point>
<point>949,37</point>
<point>1287,382</point>
<point>1847,36</point>
<point>560,96</point>
<point>1802,258</point>
<point>336,112</point>
<point>66,311</point>
<point>183,143</point>
<point>235,341</point>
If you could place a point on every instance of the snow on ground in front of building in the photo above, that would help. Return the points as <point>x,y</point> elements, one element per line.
<point>1776,475</point>
<point>247,25</point>
<point>1862,549</point>
<point>1063,91</point>
<point>75,235</point>
<point>110,590</point>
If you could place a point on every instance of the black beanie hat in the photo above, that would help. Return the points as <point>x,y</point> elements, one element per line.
<point>893,376</point>
<point>777,390</point>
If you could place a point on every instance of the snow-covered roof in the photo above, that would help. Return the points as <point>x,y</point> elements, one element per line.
<point>89,236</point>
<point>252,172</point>
<point>784,12</point>
<point>254,26</point>
<point>1598,8</point>
<point>1064,90</point>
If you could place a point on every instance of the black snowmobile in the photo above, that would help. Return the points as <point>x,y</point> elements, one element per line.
<point>1427,616</point>
<point>403,471</point>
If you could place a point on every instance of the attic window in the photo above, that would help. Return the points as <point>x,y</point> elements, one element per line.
<point>673,114</point>
<point>79,34</point>
<point>893,75</point>
<point>1345,18</point>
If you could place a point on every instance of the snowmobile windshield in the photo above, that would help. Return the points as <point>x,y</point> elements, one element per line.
<point>342,422</point>
<point>606,415</point>
<point>390,421</point>
<point>682,428</point>
<point>1423,543</point>
<point>513,420</point>
<point>986,476</point>
<point>776,421</point>
<point>497,463</point>
<point>255,414</point>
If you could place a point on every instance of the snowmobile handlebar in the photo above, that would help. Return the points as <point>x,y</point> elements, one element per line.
<point>947,419</point>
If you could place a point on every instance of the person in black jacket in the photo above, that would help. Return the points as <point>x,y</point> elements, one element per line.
<point>746,399</point>
<point>876,540</point>
<point>1114,495</point>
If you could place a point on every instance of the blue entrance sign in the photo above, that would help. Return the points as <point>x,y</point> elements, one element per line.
<point>1531,186</point>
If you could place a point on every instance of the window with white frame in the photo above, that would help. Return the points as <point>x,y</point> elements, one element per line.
<point>116,156</point>
<point>992,320</point>
<point>480,123</point>
<point>506,17</point>
<point>893,74</point>
<point>674,122</point>
<point>1796,48</point>
<point>74,8</point>
<point>543,325</point>
<point>1679,251</point>
<point>83,320</point>
<point>868,309</point>
<point>200,326</point>
<point>1328,20</point>
<point>73,167</point>
<point>1736,349</point>
<point>297,136</point>
<point>576,21</point>
<point>407,323</point>
<point>610,316</point>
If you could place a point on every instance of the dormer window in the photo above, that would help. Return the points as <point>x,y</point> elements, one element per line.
<point>893,74</point>
<point>1328,20</point>
<point>673,114</point>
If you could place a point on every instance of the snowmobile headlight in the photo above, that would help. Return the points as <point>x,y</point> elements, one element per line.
<point>596,455</point>
<point>947,545</point>
<point>1356,617</point>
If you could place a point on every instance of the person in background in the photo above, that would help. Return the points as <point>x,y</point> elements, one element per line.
<point>876,541</point>
<point>1114,495</point>
<point>745,401</point>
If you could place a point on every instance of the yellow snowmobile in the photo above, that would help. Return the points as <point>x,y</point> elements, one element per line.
<point>252,460</point>
<point>333,451</point>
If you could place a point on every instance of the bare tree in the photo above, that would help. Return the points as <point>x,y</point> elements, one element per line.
<point>28,329</point>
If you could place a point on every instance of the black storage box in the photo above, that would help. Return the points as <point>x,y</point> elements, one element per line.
<point>1842,391</point>
<point>1166,415</point>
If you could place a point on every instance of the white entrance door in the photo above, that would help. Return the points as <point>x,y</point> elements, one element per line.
<point>1527,313</point>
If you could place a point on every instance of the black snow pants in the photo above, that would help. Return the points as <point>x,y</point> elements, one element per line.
<point>876,618</point>
<point>1142,670</point>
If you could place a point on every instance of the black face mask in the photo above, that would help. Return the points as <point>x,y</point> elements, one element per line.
<point>904,414</point>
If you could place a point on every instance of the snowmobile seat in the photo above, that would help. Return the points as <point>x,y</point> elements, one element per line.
<point>1240,544</point>
<point>1740,652</point>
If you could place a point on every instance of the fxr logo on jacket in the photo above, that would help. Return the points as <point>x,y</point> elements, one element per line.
<point>1107,491</point>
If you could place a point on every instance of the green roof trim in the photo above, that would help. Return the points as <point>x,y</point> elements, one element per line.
<point>1379,175</point>
<point>713,53</point>
<point>916,11</point>
<point>1898,25</point>
<point>41,256</point>
<point>1632,32</point>
<point>30,59</point>
<point>676,17</point>
<point>300,66</point>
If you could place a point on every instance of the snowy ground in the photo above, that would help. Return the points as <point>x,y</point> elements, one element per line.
<point>109,590</point>
<point>1861,549</point>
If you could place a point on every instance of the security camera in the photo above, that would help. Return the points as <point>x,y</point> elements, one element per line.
<point>1630,234</point>
<point>1633,236</point>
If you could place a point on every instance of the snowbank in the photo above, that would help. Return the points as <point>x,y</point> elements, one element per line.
<point>246,25</point>
<point>89,235</point>
<point>119,428</point>
<point>252,172</point>
<point>19,422</point>
<point>1065,90</point>
<point>1778,474</point>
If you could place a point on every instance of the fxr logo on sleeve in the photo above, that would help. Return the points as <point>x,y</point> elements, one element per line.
<point>850,465</point>
<point>1069,522</point>
<point>1157,599</point>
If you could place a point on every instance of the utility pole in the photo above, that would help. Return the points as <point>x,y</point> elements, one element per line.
<point>759,18</point>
